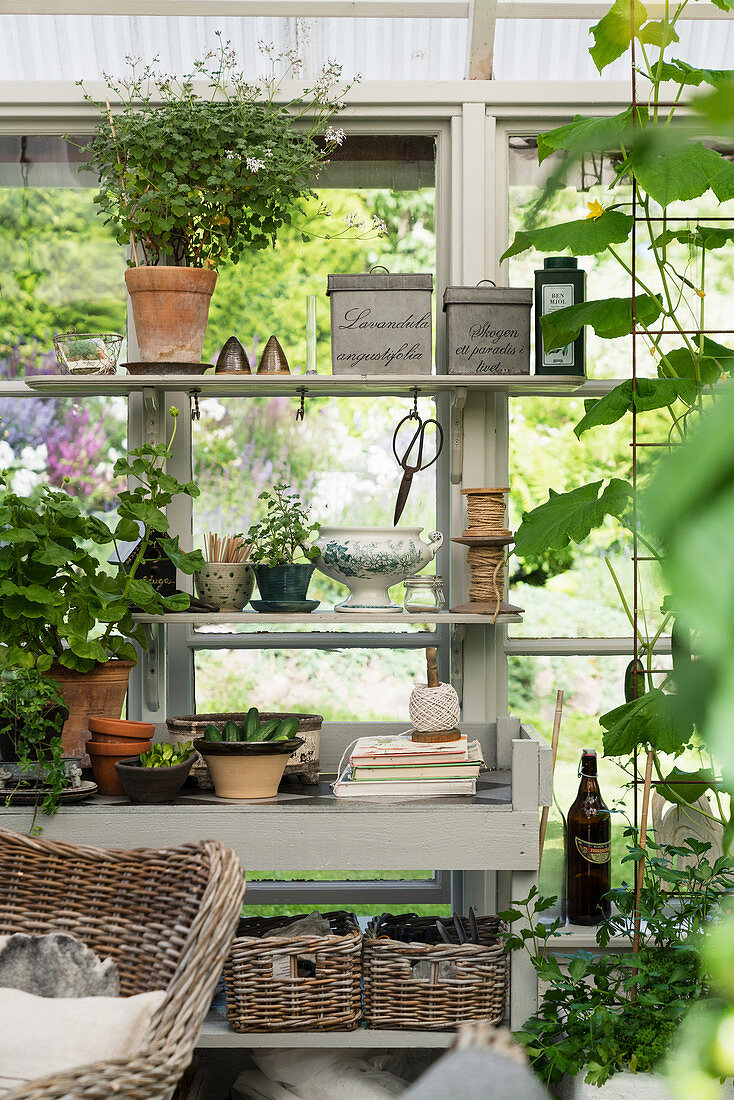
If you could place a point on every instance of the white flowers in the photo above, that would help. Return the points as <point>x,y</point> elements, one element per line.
<point>334,135</point>
<point>353,221</point>
<point>254,164</point>
<point>268,152</point>
<point>378,224</point>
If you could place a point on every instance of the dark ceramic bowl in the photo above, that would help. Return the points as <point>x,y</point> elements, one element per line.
<point>248,748</point>
<point>152,784</point>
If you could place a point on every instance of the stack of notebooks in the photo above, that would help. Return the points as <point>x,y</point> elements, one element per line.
<point>402,769</point>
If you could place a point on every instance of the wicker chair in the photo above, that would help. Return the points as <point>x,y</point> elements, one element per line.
<point>167,918</point>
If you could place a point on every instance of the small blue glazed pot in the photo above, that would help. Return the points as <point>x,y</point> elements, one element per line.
<point>283,583</point>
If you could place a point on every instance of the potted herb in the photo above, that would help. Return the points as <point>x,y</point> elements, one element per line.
<point>64,613</point>
<point>197,170</point>
<point>617,1013</point>
<point>157,775</point>
<point>32,716</point>
<point>280,547</point>
<point>248,759</point>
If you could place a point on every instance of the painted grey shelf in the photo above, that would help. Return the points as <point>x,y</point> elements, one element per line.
<point>320,385</point>
<point>508,614</point>
<point>218,1034</point>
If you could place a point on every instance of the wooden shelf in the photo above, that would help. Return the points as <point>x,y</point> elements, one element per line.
<point>217,1033</point>
<point>319,385</point>
<point>508,614</point>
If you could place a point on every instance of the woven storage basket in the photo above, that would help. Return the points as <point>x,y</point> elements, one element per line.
<point>294,983</point>
<point>432,987</point>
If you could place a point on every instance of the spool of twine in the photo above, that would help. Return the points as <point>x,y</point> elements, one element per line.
<point>487,564</point>
<point>434,708</point>
<point>485,512</point>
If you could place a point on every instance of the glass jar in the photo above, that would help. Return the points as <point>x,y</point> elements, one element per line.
<point>423,594</point>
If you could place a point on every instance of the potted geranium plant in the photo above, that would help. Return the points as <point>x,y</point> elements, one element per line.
<point>196,171</point>
<point>32,716</point>
<point>64,613</point>
<point>616,1013</point>
<point>282,550</point>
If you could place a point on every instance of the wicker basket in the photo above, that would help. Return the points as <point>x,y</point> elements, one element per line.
<point>294,983</point>
<point>432,986</point>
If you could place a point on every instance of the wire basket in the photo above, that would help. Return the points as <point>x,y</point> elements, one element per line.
<point>432,986</point>
<point>294,983</point>
<point>87,352</point>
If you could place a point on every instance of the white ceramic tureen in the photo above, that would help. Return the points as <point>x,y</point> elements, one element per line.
<point>369,560</point>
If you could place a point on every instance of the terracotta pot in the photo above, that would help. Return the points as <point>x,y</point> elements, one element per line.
<point>99,693</point>
<point>104,755</point>
<point>119,729</point>
<point>170,309</point>
<point>152,784</point>
<point>247,769</point>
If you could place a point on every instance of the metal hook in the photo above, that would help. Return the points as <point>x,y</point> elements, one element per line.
<point>195,411</point>
<point>302,408</point>
<point>413,414</point>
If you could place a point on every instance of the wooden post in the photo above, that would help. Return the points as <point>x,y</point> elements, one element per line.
<point>642,843</point>
<point>554,751</point>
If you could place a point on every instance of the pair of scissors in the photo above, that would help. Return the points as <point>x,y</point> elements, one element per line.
<point>410,469</point>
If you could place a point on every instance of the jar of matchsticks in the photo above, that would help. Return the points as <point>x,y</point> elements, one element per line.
<point>227,580</point>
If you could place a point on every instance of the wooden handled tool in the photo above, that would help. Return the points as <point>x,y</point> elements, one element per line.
<point>432,666</point>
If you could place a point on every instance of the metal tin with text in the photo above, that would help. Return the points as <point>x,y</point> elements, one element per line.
<point>381,323</point>
<point>488,329</point>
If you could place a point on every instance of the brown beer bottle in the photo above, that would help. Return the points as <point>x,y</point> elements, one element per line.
<point>588,849</point>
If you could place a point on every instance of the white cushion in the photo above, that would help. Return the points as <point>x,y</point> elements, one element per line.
<point>42,1035</point>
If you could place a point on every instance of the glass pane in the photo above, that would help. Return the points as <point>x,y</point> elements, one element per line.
<point>344,685</point>
<point>60,267</point>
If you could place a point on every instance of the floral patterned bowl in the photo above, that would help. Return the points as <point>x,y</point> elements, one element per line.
<point>369,560</point>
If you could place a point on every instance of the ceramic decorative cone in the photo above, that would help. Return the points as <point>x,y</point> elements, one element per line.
<point>232,359</point>
<point>273,360</point>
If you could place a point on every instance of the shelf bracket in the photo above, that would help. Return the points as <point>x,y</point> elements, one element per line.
<point>151,666</point>
<point>458,404</point>
<point>458,632</point>
<point>152,416</point>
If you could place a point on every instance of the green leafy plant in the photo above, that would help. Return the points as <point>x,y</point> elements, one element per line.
<point>165,755</point>
<point>57,602</point>
<point>608,1011</point>
<point>661,162</point>
<point>205,167</point>
<point>32,716</point>
<point>283,535</point>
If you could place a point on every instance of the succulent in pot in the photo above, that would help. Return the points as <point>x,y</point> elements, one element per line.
<point>65,614</point>
<point>247,760</point>
<point>32,716</point>
<point>158,774</point>
<point>281,547</point>
<point>196,171</point>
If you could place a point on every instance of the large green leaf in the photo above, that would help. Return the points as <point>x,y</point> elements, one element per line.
<point>701,236</point>
<point>687,787</point>
<point>682,73</point>
<point>615,31</point>
<point>648,722</point>
<point>187,562</point>
<point>650,393</point>
<point>569,517</point>
<point>589,134</point>
<point>658,33</point>
<point>609,318</point>
<point>677,174</point>
<point>724,5</point>
<point>715,360</point>
<point>585,237</point>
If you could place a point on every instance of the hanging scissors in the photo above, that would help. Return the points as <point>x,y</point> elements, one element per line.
<point>410,469</point>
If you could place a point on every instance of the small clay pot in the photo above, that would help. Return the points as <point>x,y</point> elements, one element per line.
<point>104,755</point>
<point>152,784</point>
<point>114,730</point>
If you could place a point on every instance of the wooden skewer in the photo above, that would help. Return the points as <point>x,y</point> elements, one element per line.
<point>554,754</point>
<point>642,843</point>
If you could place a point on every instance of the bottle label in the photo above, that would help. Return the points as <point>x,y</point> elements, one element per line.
<point>557,296</point>
<point>592,852</point>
